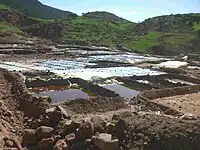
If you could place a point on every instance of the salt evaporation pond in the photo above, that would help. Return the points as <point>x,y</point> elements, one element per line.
<point>122,90</point>
<point>123,58</point>
<point>59,94</point>
<point>67,68</point>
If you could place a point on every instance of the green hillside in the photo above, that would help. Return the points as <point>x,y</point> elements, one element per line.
<point>167,35</point>
<point>105,16</point>
<point>164,35</point>
<point>34,8</point>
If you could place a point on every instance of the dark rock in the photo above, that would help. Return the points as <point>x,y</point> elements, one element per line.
<point>86,130</point>
<point>44,132</point>
<point>54,116</point>
<point>30,136</point>
<point>70,127</point>
<point>46,143</point>
<point>110,128</point>
<point>120,129</point>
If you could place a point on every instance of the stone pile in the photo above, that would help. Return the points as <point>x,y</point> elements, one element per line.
<point>56,130</point>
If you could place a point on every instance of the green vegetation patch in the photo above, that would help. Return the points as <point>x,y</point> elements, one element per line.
<point>143,43</point>
<point>43,20</point>
<point>92,30</point>
<point>196,26</point>
<point>177,38</point>
<point>4,7</point>
<point>6,29</point>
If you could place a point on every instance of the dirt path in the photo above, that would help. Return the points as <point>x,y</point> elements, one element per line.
<point>189,103</point>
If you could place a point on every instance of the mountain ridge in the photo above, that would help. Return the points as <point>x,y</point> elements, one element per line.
<point>35,8</point>
<point>163,35</point>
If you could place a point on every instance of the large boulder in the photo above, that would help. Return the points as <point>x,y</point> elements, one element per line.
<point>30,137</point>
<point>86,130</point>
<point>44,132</point>
<point>99,124</point>
<point>104,141</point>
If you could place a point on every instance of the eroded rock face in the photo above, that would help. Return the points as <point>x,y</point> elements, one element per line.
<point>44,132</point>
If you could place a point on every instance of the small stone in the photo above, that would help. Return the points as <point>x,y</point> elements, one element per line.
<point>44,132</point>
<point>76,123</point>
<point>110,128</point>
<point>29,136</point>
<point>104,142</point>
<point>122,115</point>
<point>61,145</point>
<point>1,103</point>
<point>9,143</point>
<point>54,115</point>
<point>46,143</point>
<point>86,130</point>
<point>70,127</point>
<point>99,124</point>
<point>63,111</point>
<point>70,137</point>
<point>8,114</point>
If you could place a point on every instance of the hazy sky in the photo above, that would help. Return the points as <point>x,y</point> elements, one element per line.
<point>134,10</point>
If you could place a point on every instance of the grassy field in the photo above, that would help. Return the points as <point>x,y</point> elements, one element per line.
<point>144,42</point>
<point>196,26</point>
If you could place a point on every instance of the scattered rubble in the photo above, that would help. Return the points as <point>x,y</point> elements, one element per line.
<point>28,122</point>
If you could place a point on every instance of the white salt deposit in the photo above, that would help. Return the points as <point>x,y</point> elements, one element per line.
<point>171,64</point>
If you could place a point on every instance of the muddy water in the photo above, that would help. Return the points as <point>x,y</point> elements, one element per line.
<point>122,90</point>
<point>60,93</point>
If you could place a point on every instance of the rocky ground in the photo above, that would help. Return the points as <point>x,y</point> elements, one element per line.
<point>189,103</point>
<point>34,123</point>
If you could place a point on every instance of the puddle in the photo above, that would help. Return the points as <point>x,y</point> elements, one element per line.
<point>122,90</point>
<point>59,93</point>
